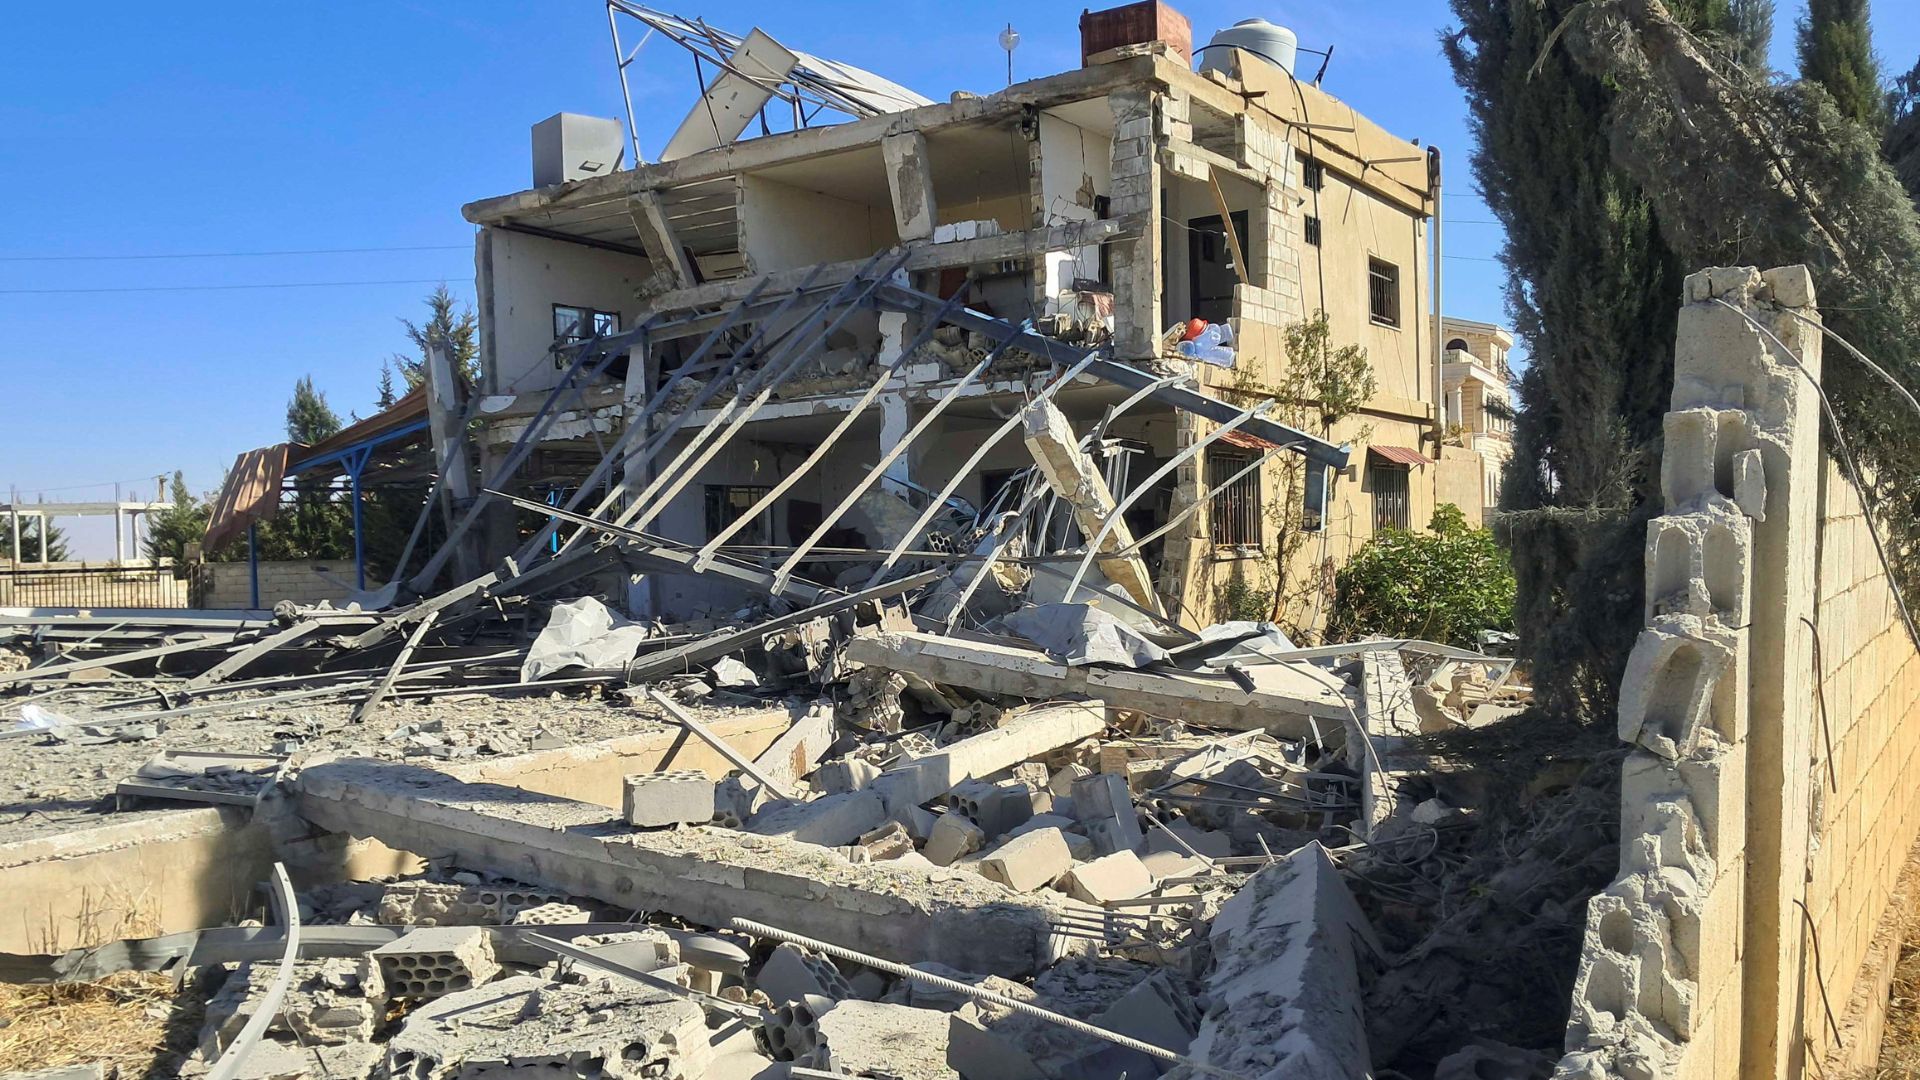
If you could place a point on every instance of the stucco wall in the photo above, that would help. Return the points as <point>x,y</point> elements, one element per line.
<point>523,277</point>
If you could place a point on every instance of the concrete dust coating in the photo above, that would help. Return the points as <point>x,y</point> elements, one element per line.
<point>703,874</point>
<point>1282,700</point>
<point>71,783</point>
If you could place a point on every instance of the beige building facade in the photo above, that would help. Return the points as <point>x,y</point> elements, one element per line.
<point>1477,405</point>
<point>1106,206</point>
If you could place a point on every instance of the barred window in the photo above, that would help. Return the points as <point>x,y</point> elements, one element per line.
<point>1313,175</point>
<point>1236,506</point>
<point>1312,231</point>
<point>1391,496</point>
<point>1383,292</point>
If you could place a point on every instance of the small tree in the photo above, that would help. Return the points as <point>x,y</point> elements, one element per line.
<point>447,324</point>
<point>1836,51</point>
<point>31,541</point>
<point>1444,585</point>
<point>183,523</point>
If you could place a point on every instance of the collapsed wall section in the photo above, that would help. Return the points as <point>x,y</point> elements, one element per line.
<point>1676,976</point>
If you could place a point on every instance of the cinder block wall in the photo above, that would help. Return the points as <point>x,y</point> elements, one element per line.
<point>1766,820</point>
<point>1867,810</point>
<point>300,582</point>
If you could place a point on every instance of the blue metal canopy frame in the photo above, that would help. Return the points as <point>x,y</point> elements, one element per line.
<point>351,459</point>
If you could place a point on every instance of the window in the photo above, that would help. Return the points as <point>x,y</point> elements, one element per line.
<point>1211,274</point>
<point>725,504</point>
<point>1236,507</point>
<point>1313,231</point>
<point>1313,175</point>
<point>573,324</point>
<point>1383,292</point>
<point>1458,345</point>
<point>1390,495</point>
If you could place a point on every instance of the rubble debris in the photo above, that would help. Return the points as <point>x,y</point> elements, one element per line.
<point>435,961</point>
<point>657,800</point>
<point>604,1027</point>
<point>1028,861</point>
<point>1284,984</point>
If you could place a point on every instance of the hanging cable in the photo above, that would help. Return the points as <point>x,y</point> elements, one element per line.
<point>1846,459</point>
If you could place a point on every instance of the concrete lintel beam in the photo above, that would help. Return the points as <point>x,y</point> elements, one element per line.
<point>703,874</point>
<point>1073,475</point>
<point>1285,701</point>
<point>922,255</point>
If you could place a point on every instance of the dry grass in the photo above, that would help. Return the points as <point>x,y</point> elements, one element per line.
<point>128,1020</point>
<point>1900,1045</point>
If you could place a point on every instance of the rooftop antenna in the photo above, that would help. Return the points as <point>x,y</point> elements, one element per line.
<point>1009,40</point>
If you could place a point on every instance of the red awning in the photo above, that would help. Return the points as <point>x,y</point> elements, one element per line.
<point>1399,455</point>
<point>1247,442</point>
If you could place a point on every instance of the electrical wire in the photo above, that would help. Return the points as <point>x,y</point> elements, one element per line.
<point>231,254</point>
<point>1846,459</point>
<point>226,288</point>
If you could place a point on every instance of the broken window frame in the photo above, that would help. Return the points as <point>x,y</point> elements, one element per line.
<point>1383,292</point>
<point>718,499</point>
<point>581,324</point>
<point>1234,518</point>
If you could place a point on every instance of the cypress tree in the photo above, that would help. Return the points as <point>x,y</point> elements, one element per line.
<point>1594,294</point>
<point>1750,25</point>
<point>1836,52</point>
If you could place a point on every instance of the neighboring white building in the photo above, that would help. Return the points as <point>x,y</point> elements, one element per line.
<point>1476,390</point>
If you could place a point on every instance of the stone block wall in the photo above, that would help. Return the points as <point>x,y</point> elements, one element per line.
<point>1770,704</point>
<point>301,582</point>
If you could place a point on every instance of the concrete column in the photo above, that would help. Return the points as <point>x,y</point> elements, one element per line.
<point>1135,195</point>
<point>636,472</point>
<point>119,535</point>
<point>657,238</point>
<point>1784,410</point>
<point>1075,477</point>
<point>910,178</point>
<point>445,411</point>
<point>896,419</point>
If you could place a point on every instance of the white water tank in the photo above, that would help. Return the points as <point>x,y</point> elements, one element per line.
<point>1277,45</point>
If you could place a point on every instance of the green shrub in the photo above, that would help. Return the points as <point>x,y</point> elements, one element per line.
<point>1443,585</point>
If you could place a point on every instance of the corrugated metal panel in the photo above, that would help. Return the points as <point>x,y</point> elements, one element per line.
<point>1399,455</point>
<point>251,493</point>
<point>1247,442</point>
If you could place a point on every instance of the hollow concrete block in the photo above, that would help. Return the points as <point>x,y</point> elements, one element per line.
<point>1119,876</point>
<point>435,961</point>
<point>656,800</point>
<point>1029,861</point>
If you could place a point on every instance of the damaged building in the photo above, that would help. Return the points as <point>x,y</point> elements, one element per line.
<point>835,284</point>
<point>822,661</point>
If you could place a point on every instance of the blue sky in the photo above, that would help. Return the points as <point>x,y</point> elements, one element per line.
<point>214,127</point>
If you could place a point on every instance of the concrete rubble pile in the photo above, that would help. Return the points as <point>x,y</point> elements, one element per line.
<point>976,801</point>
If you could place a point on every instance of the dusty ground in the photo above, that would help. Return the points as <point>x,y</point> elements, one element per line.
<point>49,787</point>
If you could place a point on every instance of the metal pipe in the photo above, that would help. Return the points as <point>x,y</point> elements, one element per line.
<point>976,993</point>
<point>930,324</point>
<point>973,461</point>
<point>269,1008</point>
